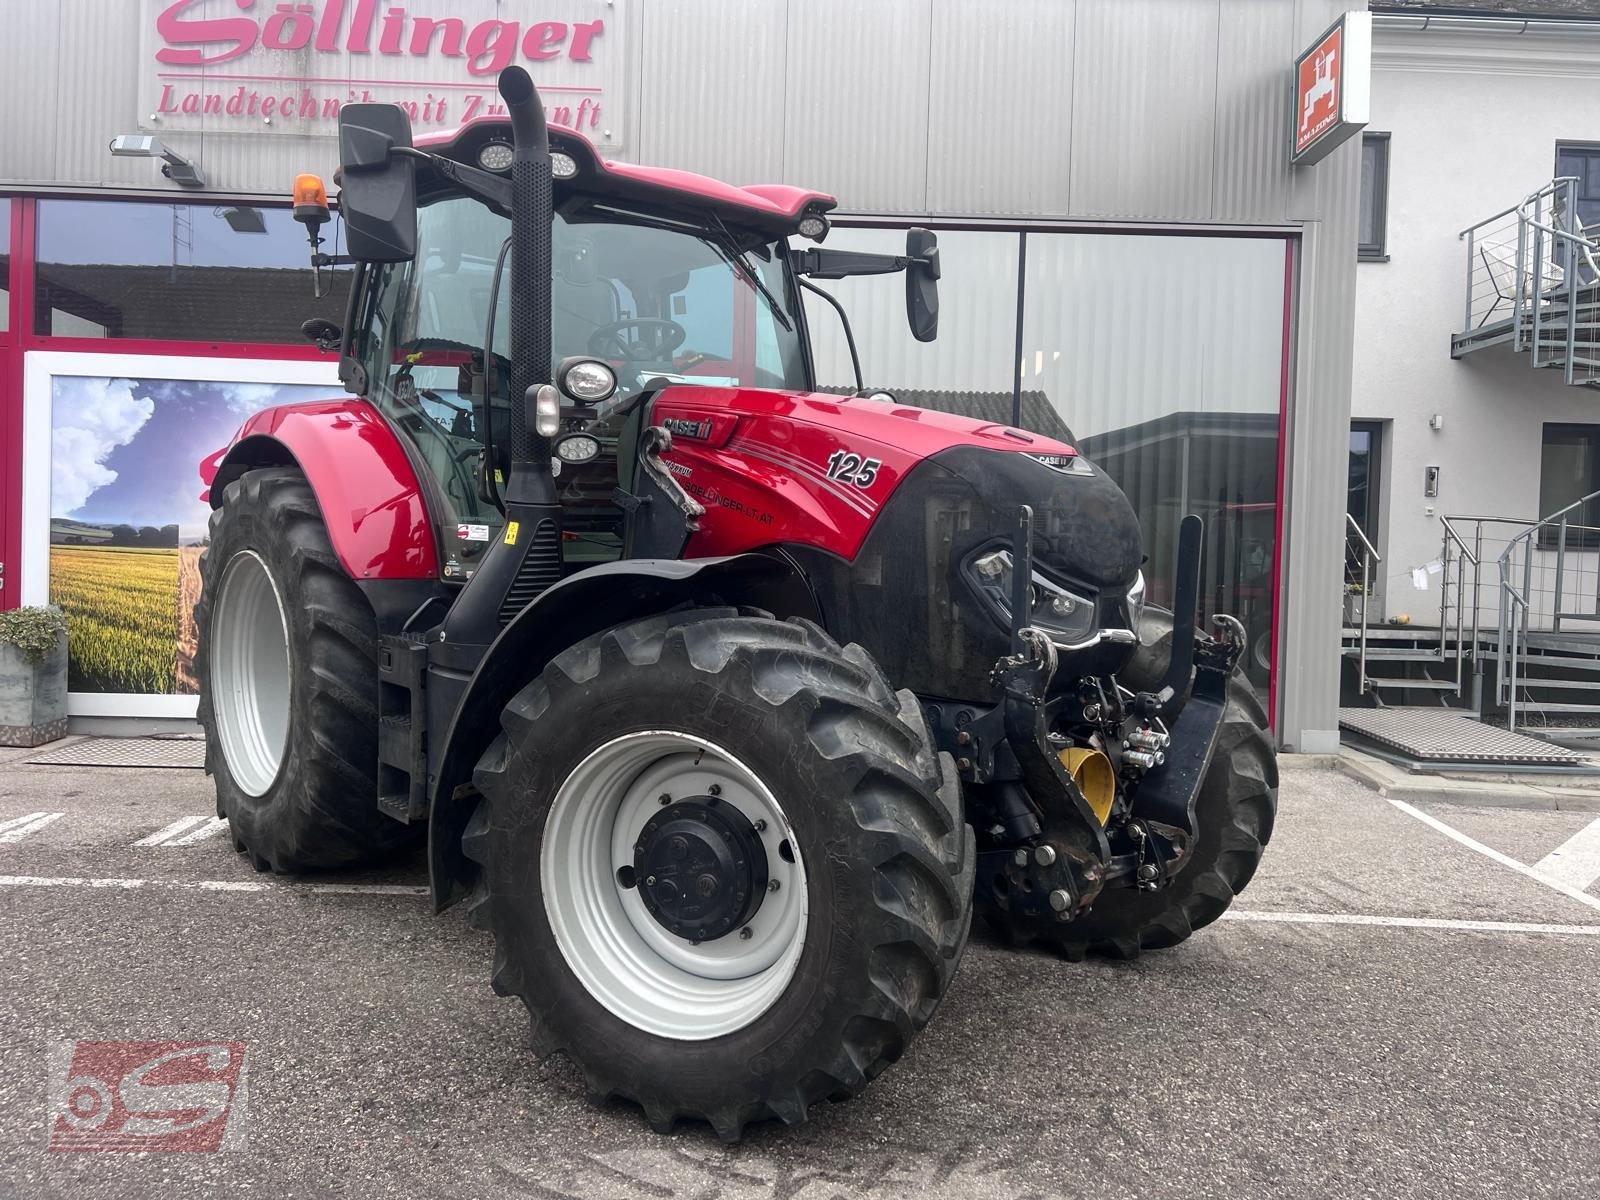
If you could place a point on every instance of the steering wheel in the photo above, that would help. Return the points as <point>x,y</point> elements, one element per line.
<point>655,339</point>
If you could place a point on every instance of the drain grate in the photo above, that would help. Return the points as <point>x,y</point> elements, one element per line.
<point>1437,735</point>
<point>126,752</point>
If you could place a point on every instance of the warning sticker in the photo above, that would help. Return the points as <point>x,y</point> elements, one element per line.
<point>472,533</point>
<point>512,529</point>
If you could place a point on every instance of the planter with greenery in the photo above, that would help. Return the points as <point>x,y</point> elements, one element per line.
<point>33,676</point>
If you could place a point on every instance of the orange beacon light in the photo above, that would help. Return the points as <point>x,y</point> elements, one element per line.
<point>310,200</point>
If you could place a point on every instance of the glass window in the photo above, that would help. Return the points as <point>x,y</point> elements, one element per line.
<point>970,368</point>
<point>656,300</point>
<point>5,263</point>
<point>1582,162</point>
<point>178,272</point>
<point>1162,359</point>
<point>1374,196</point>
<point>1569,470</point>
<point>1361,495</point>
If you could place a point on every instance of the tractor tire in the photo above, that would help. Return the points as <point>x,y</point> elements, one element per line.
<point>1237,805</point>
<point>287,660</point>
<point>864,908</point>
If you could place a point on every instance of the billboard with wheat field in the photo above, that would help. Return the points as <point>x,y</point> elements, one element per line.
<point>127,526</point>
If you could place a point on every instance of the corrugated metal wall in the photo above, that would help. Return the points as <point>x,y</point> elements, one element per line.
<point>1154,110</point>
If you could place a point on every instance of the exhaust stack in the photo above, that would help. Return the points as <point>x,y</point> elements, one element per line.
<point>531,216</point>
<point>527,557</point>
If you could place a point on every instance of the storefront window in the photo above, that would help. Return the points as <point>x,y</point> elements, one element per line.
<point>1164,357</point>
<point>969,368</point>
<point>177,272</point>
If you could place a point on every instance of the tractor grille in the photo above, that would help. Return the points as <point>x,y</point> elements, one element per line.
<point>540,568</point>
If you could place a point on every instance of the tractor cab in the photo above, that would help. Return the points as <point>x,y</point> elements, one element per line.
<point>658,279</point>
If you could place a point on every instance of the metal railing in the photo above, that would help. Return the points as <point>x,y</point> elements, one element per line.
<point>1369,555</point>
<point>1530,600</point>
<point>1457,551</point>
<point>1531,270</point>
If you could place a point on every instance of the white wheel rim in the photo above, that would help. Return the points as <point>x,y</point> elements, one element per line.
<point>625,959</point>
<point>250,673</point>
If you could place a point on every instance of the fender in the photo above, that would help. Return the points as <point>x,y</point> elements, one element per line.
<point>575,608</point>
<point>363,479</point>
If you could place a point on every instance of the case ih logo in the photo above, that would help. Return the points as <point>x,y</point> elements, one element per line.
<point>685,427</point>
<point>144,1096</point>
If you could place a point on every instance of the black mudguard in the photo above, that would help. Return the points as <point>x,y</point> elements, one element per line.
<point>568,612</point>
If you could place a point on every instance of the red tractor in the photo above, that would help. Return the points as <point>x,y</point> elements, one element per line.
<point>723,701</point>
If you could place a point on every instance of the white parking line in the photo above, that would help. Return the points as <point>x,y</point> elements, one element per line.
<point>1297,918</point>
<point>216,885</point>
<point>209,830</point>
<point>1577,860</point>
<point>162,836</point>
<point>18,828</point>
<point>1504,860</point>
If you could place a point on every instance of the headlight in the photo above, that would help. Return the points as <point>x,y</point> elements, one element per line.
<point>1136,602</point>
<point>1065,615</point>
<point>577,448</point>
<point>586,379</point>
<point>495,156</point>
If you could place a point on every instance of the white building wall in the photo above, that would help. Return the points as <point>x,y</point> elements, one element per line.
<point>1474,119</point>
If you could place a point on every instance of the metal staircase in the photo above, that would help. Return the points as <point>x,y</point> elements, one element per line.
<point>1518,636</point>
<point>1533,284</point>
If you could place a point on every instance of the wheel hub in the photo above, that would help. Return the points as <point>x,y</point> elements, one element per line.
<point>700,868</point>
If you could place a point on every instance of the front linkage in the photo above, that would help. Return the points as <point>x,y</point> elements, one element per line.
<point>1050,854</point>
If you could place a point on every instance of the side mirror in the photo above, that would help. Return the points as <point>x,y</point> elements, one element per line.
<point>922,284</point>
<point>378,183</point>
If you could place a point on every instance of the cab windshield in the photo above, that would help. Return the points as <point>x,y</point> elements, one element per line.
<point>654,298</point>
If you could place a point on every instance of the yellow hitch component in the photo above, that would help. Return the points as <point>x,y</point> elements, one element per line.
<point>1091,771</point>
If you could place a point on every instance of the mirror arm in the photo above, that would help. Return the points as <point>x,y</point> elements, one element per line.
<point>838,264</point>
<point>491,189</point>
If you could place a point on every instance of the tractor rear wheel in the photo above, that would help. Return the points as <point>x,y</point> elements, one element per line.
<point>1234,815</point>
<point>724,868</point>
<point>287,661</point>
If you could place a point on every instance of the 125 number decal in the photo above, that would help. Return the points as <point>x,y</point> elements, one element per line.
<point>852,468</point>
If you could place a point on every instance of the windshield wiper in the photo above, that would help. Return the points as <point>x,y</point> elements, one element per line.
<point>740,262</point>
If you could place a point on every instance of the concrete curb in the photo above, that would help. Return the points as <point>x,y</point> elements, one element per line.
<point>1540,792</point>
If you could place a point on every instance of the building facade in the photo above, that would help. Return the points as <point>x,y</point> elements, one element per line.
<point>1473,113</point>
<point>1128,255</point>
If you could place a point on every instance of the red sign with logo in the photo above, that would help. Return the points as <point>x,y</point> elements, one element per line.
<point>1317,96</point>
<point>1332,82</point>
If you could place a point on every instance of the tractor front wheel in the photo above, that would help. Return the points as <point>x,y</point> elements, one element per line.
<point>288,667</point>
<point>724,868</point>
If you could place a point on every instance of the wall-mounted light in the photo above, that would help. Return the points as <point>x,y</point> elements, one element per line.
<point>174,165</point>
<point>242,220</point>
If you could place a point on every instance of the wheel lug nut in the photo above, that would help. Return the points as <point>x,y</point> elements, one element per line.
<point>1059,900</point>
<point>760,826</point>
<point>745,933</point>
<point>715,789</point>
<point>663,799</point>
<point>773,885</point>
<point>650,881</point>
<point>1045,855</point>
<point>1020,857</point>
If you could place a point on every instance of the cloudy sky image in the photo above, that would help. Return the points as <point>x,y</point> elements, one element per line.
<point>128,451</point>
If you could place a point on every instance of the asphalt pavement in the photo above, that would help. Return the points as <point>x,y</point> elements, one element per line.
<point>1404,1003</point>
